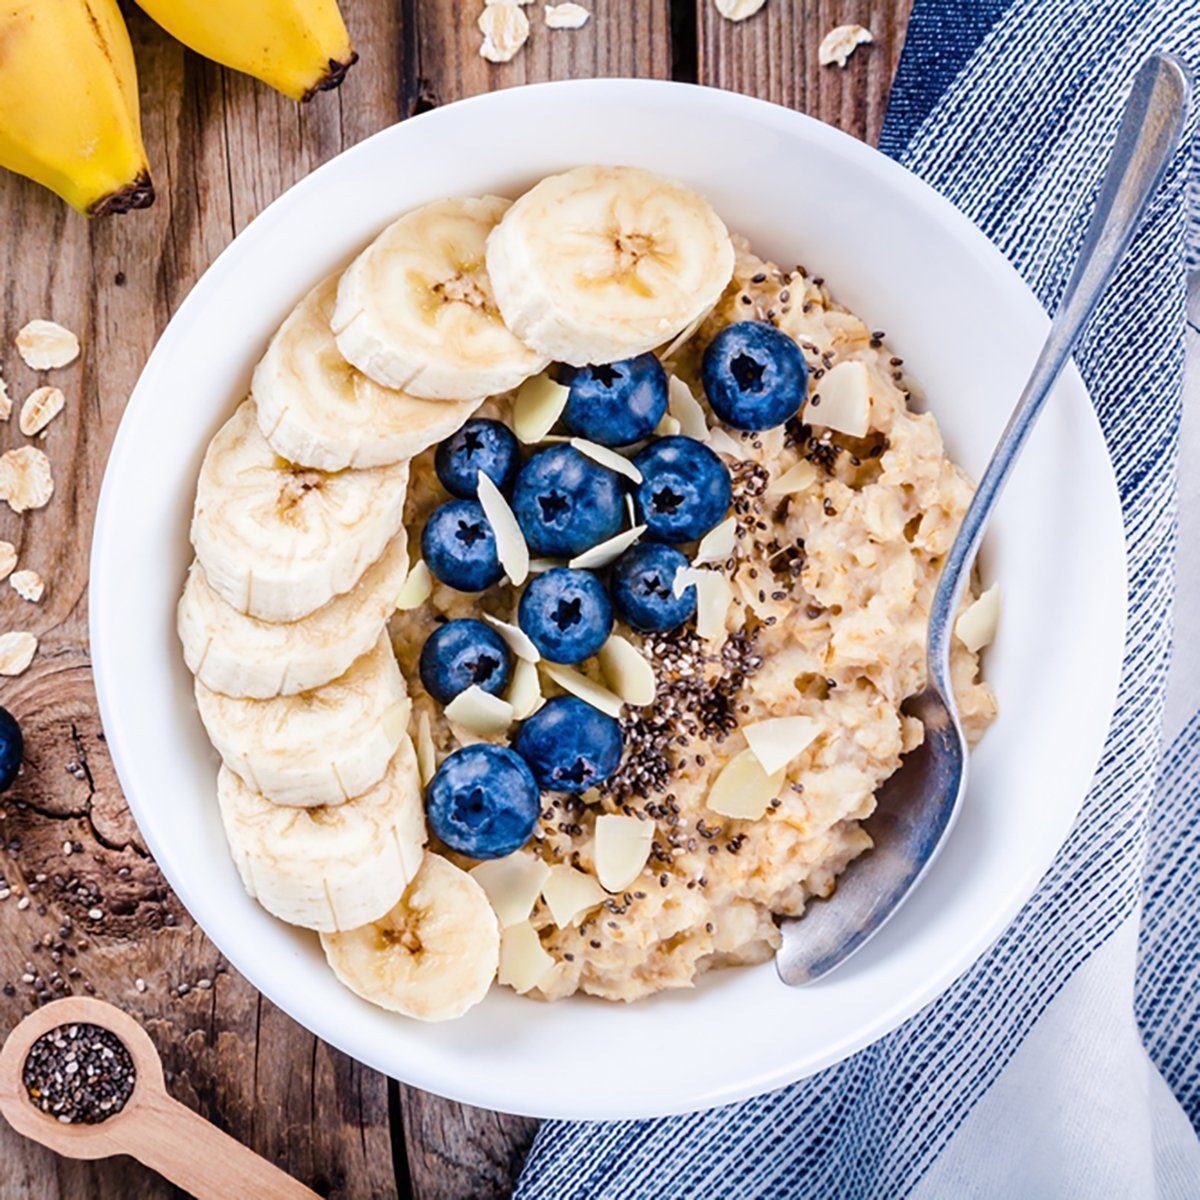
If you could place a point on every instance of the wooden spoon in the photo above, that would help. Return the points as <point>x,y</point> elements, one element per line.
<point>152,1127</point>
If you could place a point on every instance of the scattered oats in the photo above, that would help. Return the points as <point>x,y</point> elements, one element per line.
<point>25,480</point>
<point>45,345</point>
<point>505,28</point>
<point>566,16</point>
<point>739,10</point>
<point>5,401</point>
<point>8,558</point>
<point>16,651</point>
<point>41,406</point>
<point>29,585</point>
<point>838,44</point>
<point>24,903</point>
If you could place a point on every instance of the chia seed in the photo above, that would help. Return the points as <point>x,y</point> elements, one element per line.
<point>81,1074</point>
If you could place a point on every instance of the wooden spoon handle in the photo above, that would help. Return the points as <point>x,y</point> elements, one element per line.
<point>185,1148</point>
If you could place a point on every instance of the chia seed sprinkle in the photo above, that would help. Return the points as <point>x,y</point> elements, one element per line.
<point>81,1074</point>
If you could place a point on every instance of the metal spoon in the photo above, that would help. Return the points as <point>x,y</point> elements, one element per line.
<point>917,806</point>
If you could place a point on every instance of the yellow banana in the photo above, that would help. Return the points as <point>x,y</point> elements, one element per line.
<point>300,47</point>
<point>69,103</point>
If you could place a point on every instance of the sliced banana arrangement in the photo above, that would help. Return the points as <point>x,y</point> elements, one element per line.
<point>512,449</point>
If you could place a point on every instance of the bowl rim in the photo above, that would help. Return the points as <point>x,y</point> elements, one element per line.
<point>106,672</point>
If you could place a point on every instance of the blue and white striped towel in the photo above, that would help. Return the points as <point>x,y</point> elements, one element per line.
<point>1066,1063</point>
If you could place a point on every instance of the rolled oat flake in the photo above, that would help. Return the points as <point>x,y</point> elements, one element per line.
<point>82,1074</point>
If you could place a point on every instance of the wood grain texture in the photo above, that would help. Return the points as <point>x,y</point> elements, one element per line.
<point>223,146</point>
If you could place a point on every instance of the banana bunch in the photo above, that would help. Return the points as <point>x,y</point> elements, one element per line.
<point>301,552</point>
<point>69,115</point>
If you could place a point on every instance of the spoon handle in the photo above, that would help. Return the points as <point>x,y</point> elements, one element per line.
<point>1148,137</point>
<point>197,1156</point>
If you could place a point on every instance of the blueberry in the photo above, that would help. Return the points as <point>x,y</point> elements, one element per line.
<point>619,403</point>
<point>754,375</point>
<point>566,503</point>
<point>463,653</point>
<point>569,745</point>
<point>480,445</point>
<point>685,489</point>
<point>12,749</point>
<point>567,614</point>
<point>460,548</point>
<point>483,802</point>
<point>643,588</point>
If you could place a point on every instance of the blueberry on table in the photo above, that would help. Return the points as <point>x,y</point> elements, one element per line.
<point>566,614</point>
<point>569,745</point>
<point>754,375</point>
<point>565,503</point>
<point>483,802</point>
<point>617,403</point>
<point>643,588</point>
<point>462,653</point>
<point>12,749</point>
<point>459,546</point>
<point>480,445</point>
<point>685,489</point>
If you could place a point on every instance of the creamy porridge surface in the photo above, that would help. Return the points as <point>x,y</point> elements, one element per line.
<point>831,593</point>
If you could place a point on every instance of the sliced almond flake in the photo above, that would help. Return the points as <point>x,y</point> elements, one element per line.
<point>714,598</point>
<point>845,400</point>
<point>539,566</point>
<point>395,720</point>
<point>609,551</point>
<point>8,558</point>
<point>41,406</point>
<point>607,458</point>
<point>798,478</point>
<point>518,640</point>
<point>839,43</point>
<point>524,962</point>
<point>743,789</point>
<point>427,763</point>
<point>29,585</point>
<point>621,848</point>
<point>684,336</point>
<point>17,649</point>
<point>511,548</point>
<point>505,29</point>
<point>630,509</point>
<point>417,587</point>
<point>569,894</point>
<point>25,479</point>
<point>717,544</point>
<point>512,885</point>
<point>479,712</point>
<point>525,690</point>
<point>45,345</point>
<point>5,401</point>
<point>627,671</point>
<point>667,427</point>
<point>566,16</point>
<point>686,409</point>
<point>539,404</point>
<point>580,685</point>
<point>777,740</point>
<point>977,623</point>
<point>722,443</point>
<point>739,10</point>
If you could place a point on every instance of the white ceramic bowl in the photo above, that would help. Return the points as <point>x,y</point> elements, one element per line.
<point>968,330</point>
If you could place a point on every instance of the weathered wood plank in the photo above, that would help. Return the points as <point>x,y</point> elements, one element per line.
<point>773,55</point>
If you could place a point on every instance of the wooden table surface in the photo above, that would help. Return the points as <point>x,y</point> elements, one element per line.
<point>221,147</point>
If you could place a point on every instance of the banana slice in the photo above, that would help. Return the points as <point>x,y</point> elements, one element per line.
<point>328,868</point>
<point>320,747</point>
<point>278,541</point>
<point>432,957</point>
<point>602,263</point>
<point>415,310</point>
<point>315,408</point>
<point>238,655</point>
